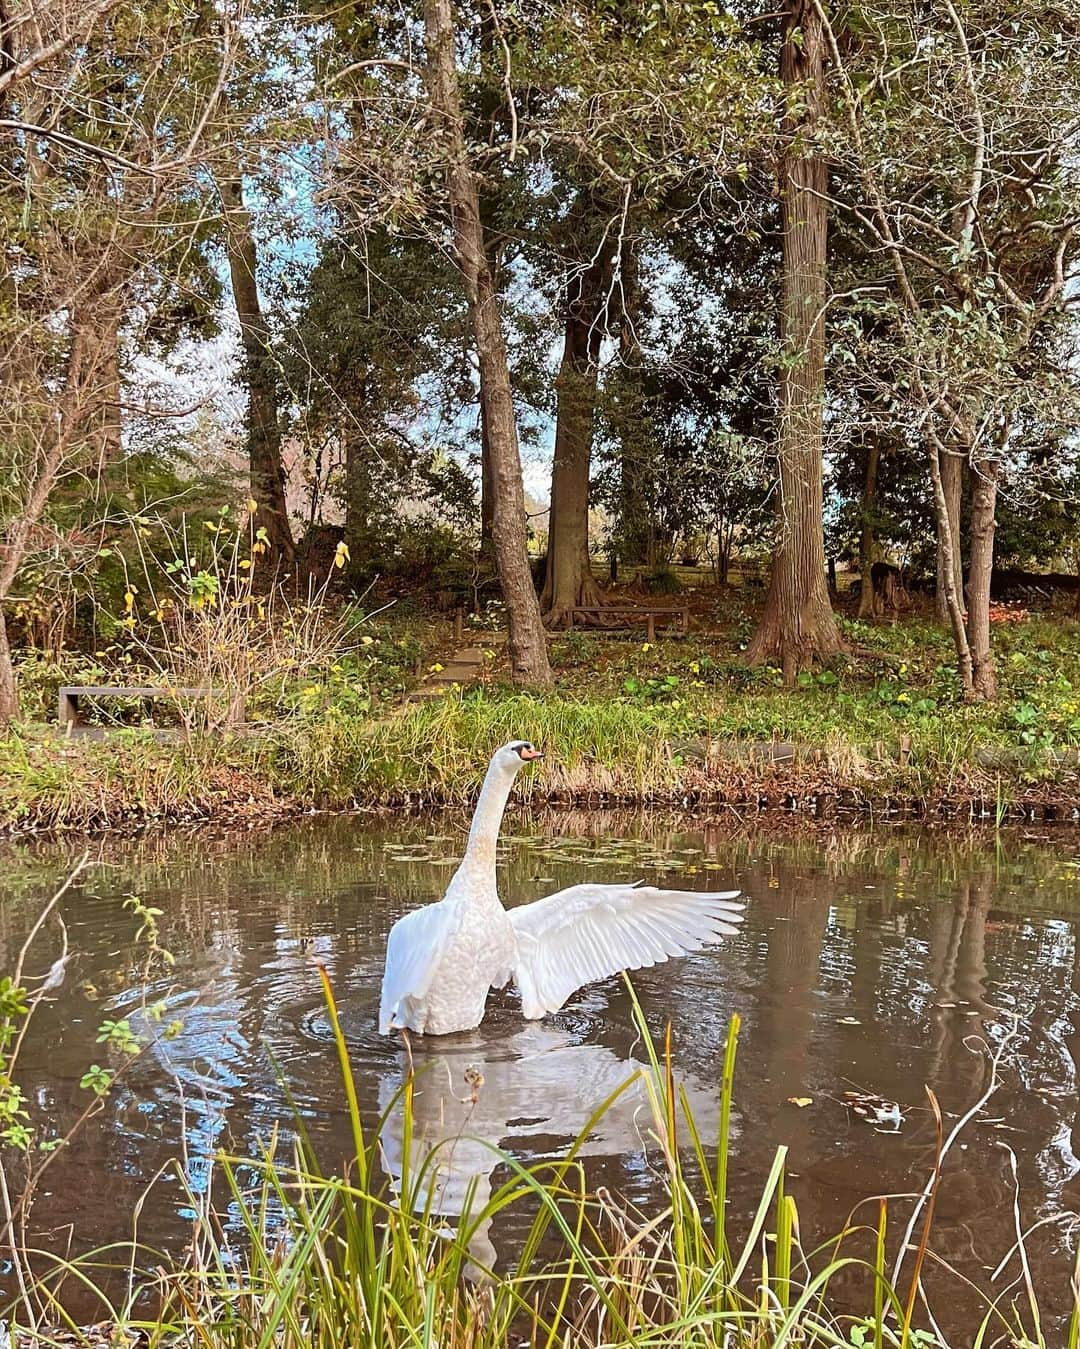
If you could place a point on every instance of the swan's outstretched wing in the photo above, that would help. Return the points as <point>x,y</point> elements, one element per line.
<point>412,956</point>
<point>590,932</point>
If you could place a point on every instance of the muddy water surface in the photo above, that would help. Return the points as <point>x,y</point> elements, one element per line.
<point>870,962</point>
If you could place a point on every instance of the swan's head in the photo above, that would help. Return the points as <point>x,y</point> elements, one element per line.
<point>517,752</point>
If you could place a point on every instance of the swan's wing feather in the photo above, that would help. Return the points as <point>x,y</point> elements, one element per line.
<point>590,932</point>
<point>413,948</point>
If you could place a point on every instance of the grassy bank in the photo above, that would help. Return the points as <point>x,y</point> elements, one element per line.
<point>327,1256</point>
<point>628,721</point>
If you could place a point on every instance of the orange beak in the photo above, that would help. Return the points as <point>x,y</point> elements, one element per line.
<point>529,754</point>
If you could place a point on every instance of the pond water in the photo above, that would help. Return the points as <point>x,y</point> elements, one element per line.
<point>870,961</point>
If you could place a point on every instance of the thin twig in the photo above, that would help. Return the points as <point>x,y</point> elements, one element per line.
<point>16,978</point>
<point>954,1134</point>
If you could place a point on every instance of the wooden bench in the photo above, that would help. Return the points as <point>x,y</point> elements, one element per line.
<point>67,706</point>
<point>652,614</point>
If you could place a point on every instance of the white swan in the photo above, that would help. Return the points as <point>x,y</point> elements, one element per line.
<point>441,960</point>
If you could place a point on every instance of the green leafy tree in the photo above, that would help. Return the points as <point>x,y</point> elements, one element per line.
<point>107,111</point>
<point>954,147</point>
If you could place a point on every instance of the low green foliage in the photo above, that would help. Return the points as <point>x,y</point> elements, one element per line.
<point>662,581</point>
<point>654,689</point>
<point>637,720</point>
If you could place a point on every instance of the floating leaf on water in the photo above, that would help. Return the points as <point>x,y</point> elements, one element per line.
<point>876,1110</point>
<point>801,1101</point>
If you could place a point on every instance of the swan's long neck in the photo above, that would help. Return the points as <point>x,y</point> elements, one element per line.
<point>477,868</point>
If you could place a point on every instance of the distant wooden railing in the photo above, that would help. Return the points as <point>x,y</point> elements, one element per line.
<point>651,614</point>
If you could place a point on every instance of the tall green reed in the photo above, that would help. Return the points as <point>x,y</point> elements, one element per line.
<point>313,1257</point>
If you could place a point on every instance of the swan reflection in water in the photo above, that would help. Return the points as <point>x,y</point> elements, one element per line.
<point>529,1093</point>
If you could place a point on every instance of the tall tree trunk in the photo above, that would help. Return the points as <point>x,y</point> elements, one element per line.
<point>983,512</point>
<point>952,484</point>
<point>104,426</point>
<point>61,436</point>
<point>633,525</point>
<point>527,642</point>
<point>357,497</point>
<point>263,429</point>
<point>949,544</point>
<point>9,697</point>
<point>487,484</point>
<point>798,625</point>
<point>1076,568</point>
<point>569,579</point>
<point>487,491</point>
<point>867,542</point>
<point>725,537</point>
<point>111,424</point>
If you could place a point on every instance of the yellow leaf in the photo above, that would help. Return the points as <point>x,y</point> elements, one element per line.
<point>801,1101</point>
<point>245,563</point>
<point>252,505</point>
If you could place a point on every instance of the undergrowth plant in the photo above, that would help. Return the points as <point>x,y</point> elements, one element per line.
<point>205,608</point>
<point>643,722</point>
